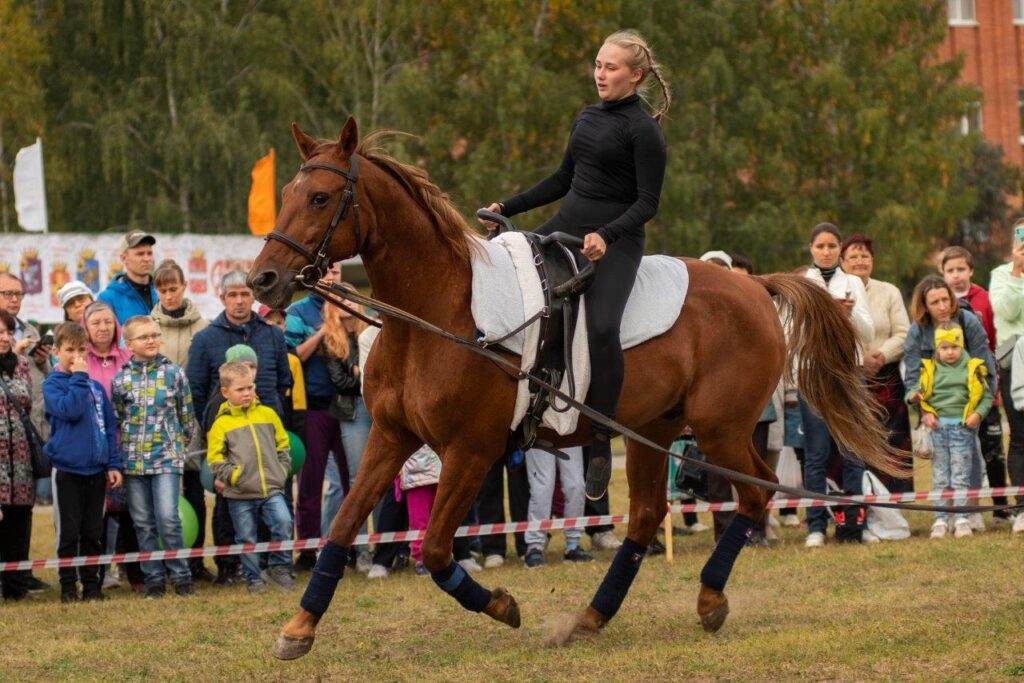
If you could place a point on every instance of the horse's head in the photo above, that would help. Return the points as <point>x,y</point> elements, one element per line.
<point>319,221</point>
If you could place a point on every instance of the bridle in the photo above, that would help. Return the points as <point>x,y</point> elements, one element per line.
<point>320,261</point>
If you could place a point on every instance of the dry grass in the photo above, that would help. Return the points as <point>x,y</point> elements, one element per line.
<point>914,610</point>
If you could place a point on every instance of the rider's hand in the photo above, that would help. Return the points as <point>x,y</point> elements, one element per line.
<point>930,421</point>
<point>973,421</point>
<point>594,246</point>
<point>491,225</point>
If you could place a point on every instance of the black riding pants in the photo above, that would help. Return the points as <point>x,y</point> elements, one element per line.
<point>606,299</point>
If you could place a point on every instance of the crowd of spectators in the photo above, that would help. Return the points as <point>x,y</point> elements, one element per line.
<point>137,398</point>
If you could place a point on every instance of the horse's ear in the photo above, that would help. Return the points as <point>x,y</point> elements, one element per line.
<point>349,138</point>
<point>306,143</point>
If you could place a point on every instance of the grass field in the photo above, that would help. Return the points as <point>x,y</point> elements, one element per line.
<point>912,610</point>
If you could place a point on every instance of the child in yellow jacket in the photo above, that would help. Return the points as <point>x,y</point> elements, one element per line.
<point>247,449</point>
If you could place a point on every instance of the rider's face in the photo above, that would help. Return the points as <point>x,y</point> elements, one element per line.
<point>612,75</point>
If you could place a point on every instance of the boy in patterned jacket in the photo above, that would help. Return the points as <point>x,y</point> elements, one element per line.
<point>153,405</point>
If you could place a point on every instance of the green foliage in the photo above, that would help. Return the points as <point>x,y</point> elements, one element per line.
<point>785,113</point>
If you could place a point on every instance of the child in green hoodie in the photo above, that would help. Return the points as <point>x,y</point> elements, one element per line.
<point>954,398</point>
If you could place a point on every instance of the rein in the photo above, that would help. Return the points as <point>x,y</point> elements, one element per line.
<point>311,278</point>
<point>335,294</point>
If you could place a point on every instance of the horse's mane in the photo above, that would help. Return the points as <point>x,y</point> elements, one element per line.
<point>454,229</point>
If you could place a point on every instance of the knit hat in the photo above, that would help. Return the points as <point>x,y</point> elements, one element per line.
<point>716,254</point>
<point>953,335</point>
<point>73,290</point>
<point>240,352</point>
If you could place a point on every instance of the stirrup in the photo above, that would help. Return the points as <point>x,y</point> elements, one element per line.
<point>598,478</point>
<point>599,475</point>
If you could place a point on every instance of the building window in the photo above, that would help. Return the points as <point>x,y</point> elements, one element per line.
<point>961,12</point>
<point>970,122</point>
<point>1018,11</point>
<point>1020,108</point>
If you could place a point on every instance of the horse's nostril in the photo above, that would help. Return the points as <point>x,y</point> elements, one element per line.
<point>263,281</point>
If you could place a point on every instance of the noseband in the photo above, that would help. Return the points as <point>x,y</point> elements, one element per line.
<point>319,262</point>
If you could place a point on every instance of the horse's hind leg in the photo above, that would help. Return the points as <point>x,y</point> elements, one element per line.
<point>382,459</point>
<point>461,477</point>
<point>712,604</point>
<point>646,472</point>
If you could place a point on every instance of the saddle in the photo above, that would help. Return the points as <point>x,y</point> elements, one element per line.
<point>562,283</point>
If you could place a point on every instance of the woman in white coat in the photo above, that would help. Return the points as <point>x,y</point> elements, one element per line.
<point>819,447</point>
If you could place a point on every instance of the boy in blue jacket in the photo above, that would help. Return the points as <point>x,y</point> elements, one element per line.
<point>83,450</point>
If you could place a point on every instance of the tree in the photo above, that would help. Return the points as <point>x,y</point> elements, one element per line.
<point>22,55</point>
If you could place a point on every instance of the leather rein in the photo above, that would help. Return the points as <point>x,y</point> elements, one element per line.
<point>311,278</point>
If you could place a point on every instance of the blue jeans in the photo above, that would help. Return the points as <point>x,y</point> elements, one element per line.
<point>353,439</point>
<point>952,463</point>
<point>245,515</point>
<point>819,449</point>
<point>153,504</point>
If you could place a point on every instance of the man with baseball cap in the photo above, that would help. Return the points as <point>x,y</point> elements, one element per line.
<point>132,293</point>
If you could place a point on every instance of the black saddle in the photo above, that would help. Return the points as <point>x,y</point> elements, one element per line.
<point>562,282</point>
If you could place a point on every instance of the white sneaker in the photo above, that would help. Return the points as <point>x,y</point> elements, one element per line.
<point>790,520</point>
<point>1018,524</point>
<point>364,562</point>
<point>377,571</point>
<point>815,539</point>
<point>699,527</point>
<point>470,565</point>
<point>868,536</point>
<point>938,530</point>
<point>976,521</point>
<point>962,528</point>
<point>604,540</point>
<point>493,561</point>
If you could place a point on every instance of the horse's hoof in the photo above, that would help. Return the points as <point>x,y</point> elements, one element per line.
<point>503,607</point>
<point>568,628</point>
<point>287,647</point>
<point>713,620</point>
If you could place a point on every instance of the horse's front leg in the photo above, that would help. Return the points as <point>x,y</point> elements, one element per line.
<point>384,455</point>
<point>461,477</point>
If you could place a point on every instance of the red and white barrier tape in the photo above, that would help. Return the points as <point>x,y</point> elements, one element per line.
<point>910,497</point>
<point>478,530</point>
<point>309,543</point>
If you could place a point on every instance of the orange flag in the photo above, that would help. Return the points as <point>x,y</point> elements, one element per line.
<point>262,208</point>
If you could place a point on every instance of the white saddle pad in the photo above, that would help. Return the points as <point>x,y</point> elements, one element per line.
<point>507,292</point>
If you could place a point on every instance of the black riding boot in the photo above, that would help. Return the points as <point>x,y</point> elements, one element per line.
<point>599,468</point>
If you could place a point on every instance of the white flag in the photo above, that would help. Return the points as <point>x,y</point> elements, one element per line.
<point>30,188</point>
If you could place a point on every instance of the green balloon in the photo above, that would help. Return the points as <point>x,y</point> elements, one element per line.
<point>298,451</point>
<point>189,524</point>
<point>206,476</point>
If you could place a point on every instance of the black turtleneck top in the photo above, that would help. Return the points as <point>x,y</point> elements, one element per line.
<point>616,154</point>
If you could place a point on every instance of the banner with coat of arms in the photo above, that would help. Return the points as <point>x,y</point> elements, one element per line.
<point>48,261</point>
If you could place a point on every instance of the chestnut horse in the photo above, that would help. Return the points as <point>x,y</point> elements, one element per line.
<point>714,370</point>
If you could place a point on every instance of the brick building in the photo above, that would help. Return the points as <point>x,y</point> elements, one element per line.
<point>990,34</point>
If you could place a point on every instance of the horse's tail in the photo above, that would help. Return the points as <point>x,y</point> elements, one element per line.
<point>822,349</point>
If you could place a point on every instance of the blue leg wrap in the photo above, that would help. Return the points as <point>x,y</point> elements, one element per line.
<point>329,569</point>
<point>719,565</point>
<point>454,581</point>
<point>619,578</point>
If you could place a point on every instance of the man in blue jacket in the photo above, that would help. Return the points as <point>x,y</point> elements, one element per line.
<point>83,450</point>
<point>132,293</point>
<point>238,325</point>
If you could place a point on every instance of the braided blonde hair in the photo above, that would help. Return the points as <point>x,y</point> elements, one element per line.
<point>641,57</point>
